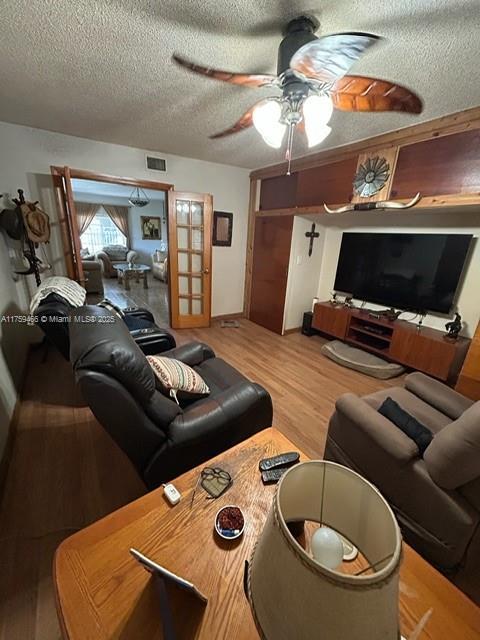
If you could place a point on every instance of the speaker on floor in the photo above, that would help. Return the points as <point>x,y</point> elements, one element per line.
<point>307,328</point>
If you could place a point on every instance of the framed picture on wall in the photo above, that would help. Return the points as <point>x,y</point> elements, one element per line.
<point>151,228</point>
<point>222,229</point>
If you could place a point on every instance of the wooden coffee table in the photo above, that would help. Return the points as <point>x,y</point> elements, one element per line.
<point>126,272</point>
<point>102,593</point>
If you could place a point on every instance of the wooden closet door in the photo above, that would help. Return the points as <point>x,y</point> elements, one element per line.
<point>271,255</point>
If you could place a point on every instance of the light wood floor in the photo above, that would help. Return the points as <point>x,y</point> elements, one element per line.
<point>66,472</point>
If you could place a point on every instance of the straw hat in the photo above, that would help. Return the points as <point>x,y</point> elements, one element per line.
<point>36,221</point>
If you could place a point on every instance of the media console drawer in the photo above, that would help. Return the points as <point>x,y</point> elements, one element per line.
<point>425,350</point>
<point>331,319</point>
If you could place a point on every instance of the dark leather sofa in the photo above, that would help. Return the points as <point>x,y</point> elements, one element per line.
<point>161,438</point>
<point>54,314</point>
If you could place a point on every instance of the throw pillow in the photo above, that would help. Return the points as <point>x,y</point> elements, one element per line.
<point>177,379</point>
<point>414,429</point>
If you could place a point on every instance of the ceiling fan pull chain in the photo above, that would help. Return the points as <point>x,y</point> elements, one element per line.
<point>288,153</point>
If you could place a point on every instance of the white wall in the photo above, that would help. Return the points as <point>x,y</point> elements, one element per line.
<point>303,270</point>
<point>468,298</point>
<point>14,337</point>
<point>145,248</point>
<point>29,153</point>
<point>25,161</point>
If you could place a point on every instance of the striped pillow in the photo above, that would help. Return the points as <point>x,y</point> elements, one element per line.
<point>176,377</point>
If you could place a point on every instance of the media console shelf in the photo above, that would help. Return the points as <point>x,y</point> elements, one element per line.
<point>425,350</point>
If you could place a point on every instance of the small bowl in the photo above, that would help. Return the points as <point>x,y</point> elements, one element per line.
<point>225,532</point>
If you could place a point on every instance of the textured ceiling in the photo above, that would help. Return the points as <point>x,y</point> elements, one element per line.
<point>101,69</point>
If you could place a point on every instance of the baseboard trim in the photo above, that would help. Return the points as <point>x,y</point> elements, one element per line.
<point>8,450</point>
<point>289,331</point>
<point>229,316</point>
<point>12,426</point>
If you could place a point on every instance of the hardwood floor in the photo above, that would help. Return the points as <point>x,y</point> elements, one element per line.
<point>66,472</point>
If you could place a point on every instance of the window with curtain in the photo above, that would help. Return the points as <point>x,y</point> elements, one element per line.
<point>100,232</point>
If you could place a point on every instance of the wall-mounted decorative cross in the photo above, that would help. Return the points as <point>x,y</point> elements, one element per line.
<point>312,235</point>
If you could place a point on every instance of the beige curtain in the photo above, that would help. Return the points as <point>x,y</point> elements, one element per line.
<point>85,214</point>
<point>119,216</point>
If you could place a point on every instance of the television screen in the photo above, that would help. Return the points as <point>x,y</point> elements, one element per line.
<point>418,272</point>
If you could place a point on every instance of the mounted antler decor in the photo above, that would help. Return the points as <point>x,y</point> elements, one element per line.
<point>370,206</point>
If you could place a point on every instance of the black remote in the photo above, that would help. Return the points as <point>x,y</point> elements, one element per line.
<point>273,475</point>
<point>277,462</point>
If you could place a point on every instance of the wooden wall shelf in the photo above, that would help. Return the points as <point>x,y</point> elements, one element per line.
<point>425,350</point>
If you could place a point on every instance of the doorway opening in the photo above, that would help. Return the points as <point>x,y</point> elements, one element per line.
<point>137,243</point>
<point>123,247</point>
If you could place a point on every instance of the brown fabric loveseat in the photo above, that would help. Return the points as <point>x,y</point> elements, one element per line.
<point>436,498</point>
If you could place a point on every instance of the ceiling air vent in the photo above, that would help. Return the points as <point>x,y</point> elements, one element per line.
<point>156,164</point>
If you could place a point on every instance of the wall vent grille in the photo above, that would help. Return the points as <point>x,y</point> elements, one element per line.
<point>156,164</point>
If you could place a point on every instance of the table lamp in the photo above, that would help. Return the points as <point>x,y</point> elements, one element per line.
<point>295,595</point>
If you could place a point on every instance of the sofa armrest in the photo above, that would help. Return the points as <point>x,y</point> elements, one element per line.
<point>104,260</point>
<point>91,265</point>
<point>437,395</point>
<point>203,419</point>
<point>131,256</point>
<point>192,353</point>
<point>376,427</point>
<point>453,456</point>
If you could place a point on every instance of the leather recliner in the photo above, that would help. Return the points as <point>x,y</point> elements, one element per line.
<point>161,438</point>
<point>54,319</point>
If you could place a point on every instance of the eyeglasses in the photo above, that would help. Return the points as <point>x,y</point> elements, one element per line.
<point>214,480</point>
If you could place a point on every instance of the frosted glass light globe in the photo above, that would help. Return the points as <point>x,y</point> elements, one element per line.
<point>266,120</point>
<point>317,111</point>
<point>327,548</point>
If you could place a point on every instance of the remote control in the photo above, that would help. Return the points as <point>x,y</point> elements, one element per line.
<point>171,493</point>
<point>273,475</point>
<point>276,462</point>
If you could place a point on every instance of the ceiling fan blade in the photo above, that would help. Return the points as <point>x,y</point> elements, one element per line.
<point>244,122</point>
<point>243,79</point>
<point>359,93</point>
<point>330,57</point>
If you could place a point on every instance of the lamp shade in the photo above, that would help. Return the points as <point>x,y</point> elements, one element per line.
<point>293,596</point>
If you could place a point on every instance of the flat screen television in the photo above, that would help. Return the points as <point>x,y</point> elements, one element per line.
<point>411,271</point>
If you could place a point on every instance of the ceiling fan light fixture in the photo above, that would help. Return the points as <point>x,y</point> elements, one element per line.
<point>266,120</point>
<point>318,107</point>
<point>317,111</point>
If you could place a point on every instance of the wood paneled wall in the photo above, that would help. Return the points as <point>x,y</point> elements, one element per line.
<point>440,159</point>
<point>440,166</point>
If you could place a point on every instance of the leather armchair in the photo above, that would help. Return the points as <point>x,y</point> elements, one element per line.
<point>53,318</point>
<point>436,498</point>
<point>161,438</point>
<point>114,254</point>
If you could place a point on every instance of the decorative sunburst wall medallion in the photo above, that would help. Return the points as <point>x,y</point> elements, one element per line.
<point>371,177</point>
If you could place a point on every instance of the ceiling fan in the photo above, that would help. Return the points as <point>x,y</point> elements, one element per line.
<point>311,75</point>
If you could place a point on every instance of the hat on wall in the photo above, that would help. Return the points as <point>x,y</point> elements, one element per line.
<point>11,220</point>
<point>36,221</point>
